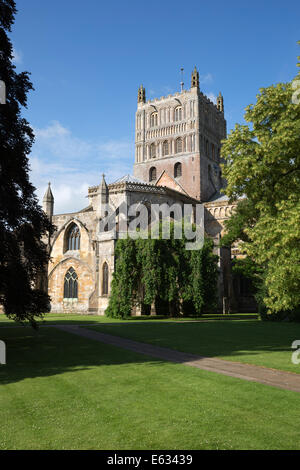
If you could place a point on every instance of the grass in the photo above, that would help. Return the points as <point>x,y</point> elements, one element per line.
<point>60,391</point>
<point>54,318</point>
<point>265,344</point>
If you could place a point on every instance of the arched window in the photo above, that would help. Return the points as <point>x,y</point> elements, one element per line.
<point>152,151</point>
<point>73,238</point>
<point>71,285</point>
<point>165,148</point>
<point>153,119</point>
<point>105,279</point>
<point>179,145</point>
<point>207,148</point>
<point>178,113</point>
<point>177,170</point>
<point>152,174</point>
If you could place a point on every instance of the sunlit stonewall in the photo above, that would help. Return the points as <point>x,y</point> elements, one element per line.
<point>134,221</point>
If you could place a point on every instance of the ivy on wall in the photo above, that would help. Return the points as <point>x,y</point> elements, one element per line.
<point>163,273</point>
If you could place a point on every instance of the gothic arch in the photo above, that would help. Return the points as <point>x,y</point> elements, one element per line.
<point>75,261</point>
<point>65,227</point>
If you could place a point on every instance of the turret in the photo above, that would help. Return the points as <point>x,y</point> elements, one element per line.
<point>195,79</point>
<point>103,191</point>
<point>141,95</point>
<point>48,202</point>
<point>220,103</point>
<point>100,204</point>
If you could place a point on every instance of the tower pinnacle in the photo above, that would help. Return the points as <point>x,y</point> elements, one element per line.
<point>220,103</point>
<point>141,94</point>
<point>195,78</point>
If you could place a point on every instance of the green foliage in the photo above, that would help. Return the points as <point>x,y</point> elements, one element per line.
<point>163,272</point>
<point>203,278</point>
<point>282,316</point>
<point>124,284</point>
<point>245,215</point>
<point>263,165</point>
<point>23,224</point>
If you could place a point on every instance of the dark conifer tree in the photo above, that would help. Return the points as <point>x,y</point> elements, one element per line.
<point>23,224</point>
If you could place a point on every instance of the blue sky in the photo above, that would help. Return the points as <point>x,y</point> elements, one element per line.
<point>87,60</point>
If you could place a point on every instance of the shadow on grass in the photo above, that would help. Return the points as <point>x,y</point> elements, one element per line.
<point>212,339</point>
<point>49,352</point>
<point>63,319</point>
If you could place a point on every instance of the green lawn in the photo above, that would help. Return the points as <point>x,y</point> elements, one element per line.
<point>60,391</point>
<point>54,318</point>
<point>254,342</point>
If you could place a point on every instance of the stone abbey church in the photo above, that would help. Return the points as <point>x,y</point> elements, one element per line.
<point>177,160</point>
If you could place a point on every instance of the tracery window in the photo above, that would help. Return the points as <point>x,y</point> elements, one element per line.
<point>71,285</point>
<point>73,238</point>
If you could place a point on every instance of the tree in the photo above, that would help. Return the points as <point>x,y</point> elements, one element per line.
<point>163,272</point>
<point>263,174</point>
<point>23,224</point>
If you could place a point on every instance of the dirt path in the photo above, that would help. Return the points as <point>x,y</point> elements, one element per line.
<point>275,378</point>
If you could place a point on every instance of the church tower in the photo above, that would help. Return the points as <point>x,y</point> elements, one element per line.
<point>181,135</point>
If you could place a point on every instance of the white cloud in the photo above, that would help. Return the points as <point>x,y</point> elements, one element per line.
<point>72,165</point>
<point>205,78</point>
<point>17,56</point>
<point>212,97</point>
<point>60,142</point>
<point>162,91</point>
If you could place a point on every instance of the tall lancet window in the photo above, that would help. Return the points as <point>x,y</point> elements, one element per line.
<point>179,145</point>
<point>152,174</point>
<point>178,113</point>
<point>152,151</point>
<point>177,170</point>
<point>105,279</point>
<point>73,239</point>
<point>166,148</point>
<point>71,285</point>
